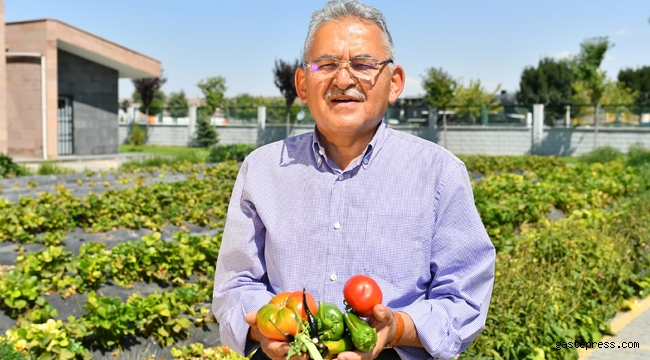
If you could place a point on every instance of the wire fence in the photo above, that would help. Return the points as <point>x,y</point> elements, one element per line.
<point>416,113</point>
<point>586,115</point>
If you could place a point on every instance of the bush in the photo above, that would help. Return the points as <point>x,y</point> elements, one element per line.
<point>235,152</point>
<point>563,280</point>
<point>8,168</point>
<point>137,136</point>
<point>601,155</point>
<point>637,155</point>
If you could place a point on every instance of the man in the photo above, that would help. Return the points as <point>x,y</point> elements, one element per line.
<point>355,197</point>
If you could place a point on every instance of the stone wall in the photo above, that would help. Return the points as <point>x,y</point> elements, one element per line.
<point>93,88</point>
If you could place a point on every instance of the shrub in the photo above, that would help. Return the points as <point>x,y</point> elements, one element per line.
<point>601,155</point>
<point>236,152</point>
<point>637,155</point>
<point>8,168</point>
<point>137,136</point>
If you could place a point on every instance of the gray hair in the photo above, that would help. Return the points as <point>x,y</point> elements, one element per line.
<point>337,9</point>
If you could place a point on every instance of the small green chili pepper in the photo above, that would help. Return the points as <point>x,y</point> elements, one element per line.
<point>329,320</point>
<point>364,336</point>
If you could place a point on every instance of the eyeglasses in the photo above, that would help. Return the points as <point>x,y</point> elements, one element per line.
<point>364,69</point>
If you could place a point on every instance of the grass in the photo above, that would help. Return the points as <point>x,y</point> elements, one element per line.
<point>165,150</point>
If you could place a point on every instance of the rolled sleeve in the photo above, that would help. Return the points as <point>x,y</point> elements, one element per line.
<point>462,261</point>
<point>239,285</point>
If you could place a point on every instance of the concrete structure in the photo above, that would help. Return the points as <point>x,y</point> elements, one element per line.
<point>534,138</point>
<point>61,89</point>
<point>3,84</point>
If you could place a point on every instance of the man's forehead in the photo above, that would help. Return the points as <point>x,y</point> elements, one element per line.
<point>359,38</point>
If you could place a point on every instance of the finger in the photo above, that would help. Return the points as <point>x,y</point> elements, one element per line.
<point>381,313</point>
<point>251,318</point>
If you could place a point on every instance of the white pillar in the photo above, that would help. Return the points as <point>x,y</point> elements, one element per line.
<point>538,128</point>
<point>191,125</point>
<point>261,117</point>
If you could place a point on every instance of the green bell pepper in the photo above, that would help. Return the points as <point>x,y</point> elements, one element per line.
<point>364,336</point>
<point>329,320</point>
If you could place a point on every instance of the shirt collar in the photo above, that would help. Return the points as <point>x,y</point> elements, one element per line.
<point>371,151</point>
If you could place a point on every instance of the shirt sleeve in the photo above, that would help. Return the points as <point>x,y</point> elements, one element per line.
<point>454,311</point>
<point>239,285</point>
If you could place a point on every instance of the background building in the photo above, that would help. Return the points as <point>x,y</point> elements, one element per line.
<point>62,89</point>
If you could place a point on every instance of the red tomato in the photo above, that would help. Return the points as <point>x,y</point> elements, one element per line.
<point>362,294</point>
<point>280,311</point>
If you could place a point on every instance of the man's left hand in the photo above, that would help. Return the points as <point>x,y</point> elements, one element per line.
<point>384,321</point>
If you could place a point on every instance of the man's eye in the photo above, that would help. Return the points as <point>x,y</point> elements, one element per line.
<point>362,66</point>
<point>327,65</point>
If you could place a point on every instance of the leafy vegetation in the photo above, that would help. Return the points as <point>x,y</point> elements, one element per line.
<point>8,168</point>
<point>554,279</point>
<point>236,152</point>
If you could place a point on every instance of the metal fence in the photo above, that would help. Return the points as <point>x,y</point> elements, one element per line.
<point>614,115</point>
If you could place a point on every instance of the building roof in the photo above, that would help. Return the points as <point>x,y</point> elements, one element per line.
<point>128,63</point>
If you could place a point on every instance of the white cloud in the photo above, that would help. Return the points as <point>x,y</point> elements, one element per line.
<point>562,55</point>
<point>609,58</point>
<point>412,81</point>
<point>623,31</point>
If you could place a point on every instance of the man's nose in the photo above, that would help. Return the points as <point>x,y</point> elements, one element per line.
<point>343,79</point>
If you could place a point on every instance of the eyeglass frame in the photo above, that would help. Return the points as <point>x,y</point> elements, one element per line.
<point>338,62</point>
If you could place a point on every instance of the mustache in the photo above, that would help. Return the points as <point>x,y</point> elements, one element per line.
<point>351,91</point>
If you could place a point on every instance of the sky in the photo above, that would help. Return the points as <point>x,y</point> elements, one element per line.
<point>488,40</point>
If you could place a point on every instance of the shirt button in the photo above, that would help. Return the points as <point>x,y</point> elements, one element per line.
<point>319,160</point>
<point>337,225</point>
<point>333,277</point>
<point>321,152</point>
<point>365,161</point>
<point>341,177</point>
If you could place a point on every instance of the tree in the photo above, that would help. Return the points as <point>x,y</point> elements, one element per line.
<point>440,88</point>
<point>146,89</point>
<point>213,89</point>
<point>206,134</point>
<point>638,80</point>
<point>155,107</point>
<point>587,71</point>
<point>177,105</point>
<point>471,100</point>
<point>284,73</point>
<point>549,83</point>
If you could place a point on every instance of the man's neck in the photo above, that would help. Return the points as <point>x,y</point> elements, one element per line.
<point>343,150</point>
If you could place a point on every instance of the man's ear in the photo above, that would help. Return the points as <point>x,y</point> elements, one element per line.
<point>301,84</point>
<point>396,83</point>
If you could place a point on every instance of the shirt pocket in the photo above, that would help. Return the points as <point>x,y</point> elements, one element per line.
<point>395,247</point>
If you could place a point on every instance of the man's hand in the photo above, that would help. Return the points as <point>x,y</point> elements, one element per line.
<point>384,321</point>
<point>276,350</point>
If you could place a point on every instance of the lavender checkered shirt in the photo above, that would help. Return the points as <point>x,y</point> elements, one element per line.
<point>403,214</point>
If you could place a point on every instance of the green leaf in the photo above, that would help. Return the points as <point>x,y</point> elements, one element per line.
<point>163,332</point>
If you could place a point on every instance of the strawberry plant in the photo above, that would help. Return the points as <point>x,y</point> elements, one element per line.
<point>46,341</point>
<point>109,319</point>
<point>48,265</point>
<point>20,292</point>
<point>159,315</point>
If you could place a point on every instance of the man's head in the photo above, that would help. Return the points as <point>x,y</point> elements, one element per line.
<point>348,77</point>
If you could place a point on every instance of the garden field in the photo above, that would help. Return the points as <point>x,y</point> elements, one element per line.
<point>120,264</point>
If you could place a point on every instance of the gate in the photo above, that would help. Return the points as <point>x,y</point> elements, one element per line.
<point>65,126</point>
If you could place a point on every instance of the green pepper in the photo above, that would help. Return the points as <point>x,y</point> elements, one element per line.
<point>329,320</point>
<point>339,346</point>
<point>364,336</point>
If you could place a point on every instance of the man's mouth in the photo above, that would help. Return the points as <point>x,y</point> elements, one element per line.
<point>349,95</point>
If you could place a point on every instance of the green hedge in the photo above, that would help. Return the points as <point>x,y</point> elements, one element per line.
<point>235,152</point>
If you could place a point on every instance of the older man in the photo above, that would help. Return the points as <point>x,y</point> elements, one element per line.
<point>355,197</point>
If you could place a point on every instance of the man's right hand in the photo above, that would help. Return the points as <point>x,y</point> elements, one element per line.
<point>276,350</point>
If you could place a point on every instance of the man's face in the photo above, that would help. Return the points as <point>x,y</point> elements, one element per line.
<point>342,104</point>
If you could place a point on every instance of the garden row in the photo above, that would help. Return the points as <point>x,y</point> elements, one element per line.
<point>187,263</point>
<point>555,280</point>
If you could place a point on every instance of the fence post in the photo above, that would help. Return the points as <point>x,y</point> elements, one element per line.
<point>484,115</point>
<point>191,124</point>
<point>538,128</point>
<point>261,125</point>
<point>567,119</point>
